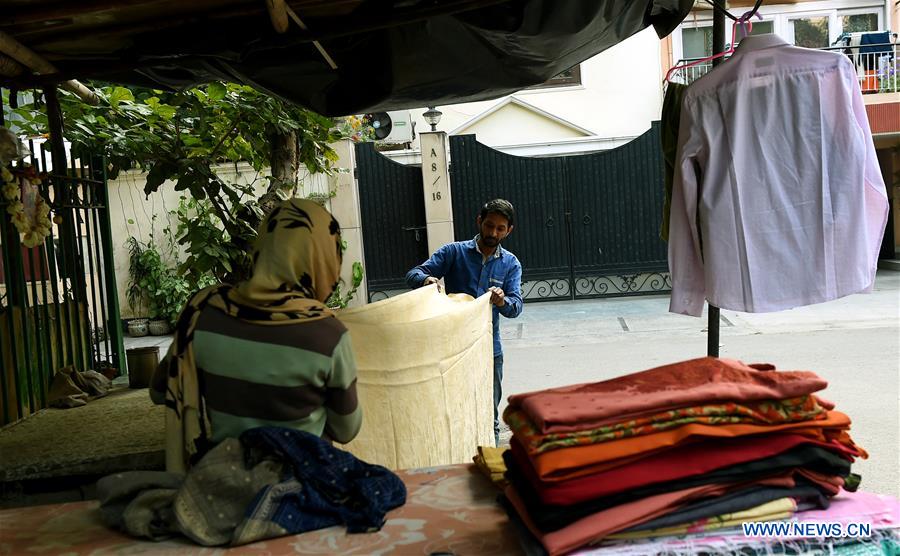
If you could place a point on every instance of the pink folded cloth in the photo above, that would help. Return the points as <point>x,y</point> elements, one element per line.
<point>881,511</point>
<point>704,380</point>
<point>618,518</point>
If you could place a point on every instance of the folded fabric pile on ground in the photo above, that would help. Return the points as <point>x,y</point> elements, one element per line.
<point>701,445</point>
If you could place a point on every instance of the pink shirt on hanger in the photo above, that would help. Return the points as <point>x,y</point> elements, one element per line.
<point>777,176</point>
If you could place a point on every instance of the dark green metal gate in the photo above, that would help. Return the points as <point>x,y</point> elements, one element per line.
<point>393,220</point>
<point>535,187</point>
<point>588,225</point>
<point>58,301</point>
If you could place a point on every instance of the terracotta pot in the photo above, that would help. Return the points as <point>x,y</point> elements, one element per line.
<point>109,372</point>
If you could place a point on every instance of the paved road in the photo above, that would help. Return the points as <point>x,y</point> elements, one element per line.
<point>854,343</point>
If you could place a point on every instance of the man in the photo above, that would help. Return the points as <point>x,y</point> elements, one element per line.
<point>478,266</point>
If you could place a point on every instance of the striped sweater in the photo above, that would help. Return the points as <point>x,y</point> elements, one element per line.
<point>301,376</point>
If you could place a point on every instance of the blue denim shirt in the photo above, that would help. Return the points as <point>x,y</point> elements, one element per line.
<point>464,270</point>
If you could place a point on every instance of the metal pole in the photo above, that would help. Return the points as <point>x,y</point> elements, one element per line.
<point>68,229</point>
<point>77,188</point>
<point>51,195</point>
<point>114,321</point>
<point>93,277</point>
<point>4,401</point>
<point>9,236</point>
<point>40,328</point>
<point>49,368</point>
<point>712,339</point>
<point>98,251</point>
<point>718,30</point>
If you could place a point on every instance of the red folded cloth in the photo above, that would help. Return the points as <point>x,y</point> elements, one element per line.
<point>705,380</point>
<point>668,465</point>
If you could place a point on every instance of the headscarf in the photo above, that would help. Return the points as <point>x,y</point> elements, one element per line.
<point>296,267</point>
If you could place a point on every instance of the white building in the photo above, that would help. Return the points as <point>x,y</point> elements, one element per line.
<point>601,103</point>
<point>613,97</point>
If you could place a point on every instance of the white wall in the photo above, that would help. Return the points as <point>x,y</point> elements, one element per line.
<point>895,16</point>
<point>619,96</point>
<point>128,202</point>
<point>527,126</point>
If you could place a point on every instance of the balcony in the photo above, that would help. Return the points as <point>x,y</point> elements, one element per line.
<point>878,72</point>
<point>879,79</point>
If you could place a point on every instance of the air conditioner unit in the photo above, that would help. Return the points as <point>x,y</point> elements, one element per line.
<point>393,127</point>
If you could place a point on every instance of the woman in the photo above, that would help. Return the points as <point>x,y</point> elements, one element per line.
<point>267,351</point>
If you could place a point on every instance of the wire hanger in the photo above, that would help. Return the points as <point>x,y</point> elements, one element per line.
<point>744,21</point>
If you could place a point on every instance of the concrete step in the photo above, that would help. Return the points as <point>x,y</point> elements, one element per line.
<point>889,264</point>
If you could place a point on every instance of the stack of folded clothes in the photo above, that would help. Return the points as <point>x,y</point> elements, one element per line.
<point>707,443</point>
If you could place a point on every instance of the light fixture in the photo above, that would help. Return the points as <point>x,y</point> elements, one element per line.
<point>432,117</point>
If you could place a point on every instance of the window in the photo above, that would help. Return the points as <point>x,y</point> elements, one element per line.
<point>571,76</point>
<point>763,27</point>
<point>821,30</point>
<point>811,32</point>
<point>697,41</point>
<point>859,23</point>
<point>811,29</point>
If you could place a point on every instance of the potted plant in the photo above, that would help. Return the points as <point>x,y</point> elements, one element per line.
<point>159,327</point>
<point>138,270</point>
<point>156,283</point>
<point>138,327</point>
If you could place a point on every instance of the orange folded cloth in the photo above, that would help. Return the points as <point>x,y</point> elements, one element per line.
<point>761,412</point>
<point>568,463</point>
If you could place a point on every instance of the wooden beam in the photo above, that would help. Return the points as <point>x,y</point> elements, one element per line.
<point>162,22</point>
<point>9,67</point>
<point>81,91</point>
<point>68,10</point>
<point>55,125</point>
<point>278,14</point>
<point>325,28</point>
<point>328,59</point>
<point>30,59</point>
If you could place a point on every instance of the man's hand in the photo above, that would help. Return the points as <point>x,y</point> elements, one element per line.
<point>498,298</point>
<point>432,280</point>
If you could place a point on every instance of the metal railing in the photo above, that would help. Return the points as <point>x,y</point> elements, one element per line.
<point>877,67</point>
<point>58,303</point>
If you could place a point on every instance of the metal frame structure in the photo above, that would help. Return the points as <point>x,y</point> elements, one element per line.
<point>59,305</point>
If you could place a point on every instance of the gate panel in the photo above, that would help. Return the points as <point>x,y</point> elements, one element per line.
<point>617,205</point>
<point>393,220</point>
<point>535,188</point>
<point>588,225</point>
<point>58,301</point>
